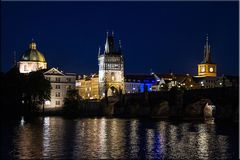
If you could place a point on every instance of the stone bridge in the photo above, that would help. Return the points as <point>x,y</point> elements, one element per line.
<point>181,103</point>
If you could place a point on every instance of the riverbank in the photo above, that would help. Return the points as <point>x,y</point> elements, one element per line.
<point>60,113</point>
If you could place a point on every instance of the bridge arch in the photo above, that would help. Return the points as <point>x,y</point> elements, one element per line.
<point>112,91</point>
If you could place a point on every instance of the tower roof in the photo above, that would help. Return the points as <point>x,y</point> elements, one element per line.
<point>110,47</point>
<point>32,54</point>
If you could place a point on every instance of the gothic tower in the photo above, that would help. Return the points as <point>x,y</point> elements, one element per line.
<point>111,69</point>
<point>206,68</point>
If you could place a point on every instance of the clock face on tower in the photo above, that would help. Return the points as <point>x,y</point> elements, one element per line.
<point>211,69</point>
<point>203,69</point>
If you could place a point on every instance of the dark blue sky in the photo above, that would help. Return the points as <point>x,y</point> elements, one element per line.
<point>157,35</point>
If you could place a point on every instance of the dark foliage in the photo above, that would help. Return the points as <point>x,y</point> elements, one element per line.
<point>22,94</point>
<point>71,102</point>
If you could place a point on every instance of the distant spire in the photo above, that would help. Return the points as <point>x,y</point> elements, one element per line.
<point>207,54</point>
<point>207,39</point>
<point>120,46</point>
<point>113,33</point>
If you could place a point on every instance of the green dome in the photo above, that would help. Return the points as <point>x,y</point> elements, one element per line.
<point>32,54</point>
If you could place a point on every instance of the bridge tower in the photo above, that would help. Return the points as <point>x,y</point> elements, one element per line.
<point>111,68</point>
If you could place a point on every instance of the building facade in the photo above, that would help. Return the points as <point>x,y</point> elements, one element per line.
<point>88,86</point>
<point>139,83</point>
<point>207,68</point>
<point>32,60</point>
<point>60,83</point>
<point>111,69</point>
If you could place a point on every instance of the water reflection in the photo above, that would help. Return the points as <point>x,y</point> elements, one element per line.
<point>55,137</point>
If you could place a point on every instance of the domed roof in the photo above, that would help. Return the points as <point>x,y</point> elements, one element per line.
<point>32,54</point>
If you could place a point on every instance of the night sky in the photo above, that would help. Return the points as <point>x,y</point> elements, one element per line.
<point>161,36</point>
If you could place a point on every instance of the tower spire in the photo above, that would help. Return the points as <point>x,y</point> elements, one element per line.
<point>109,45</point>
<point>207,54</point>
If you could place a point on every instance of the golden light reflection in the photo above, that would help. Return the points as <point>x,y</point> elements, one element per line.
<point>202,140</point>
<point>102,136</point>
<point>134,138</point>
<point>46,137</point>
<point>150,141</point>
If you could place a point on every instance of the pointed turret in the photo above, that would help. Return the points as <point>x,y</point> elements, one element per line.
<point>99,51</point>
<point>119,46</point>
<point>207,53</point>
<point>109,45</point>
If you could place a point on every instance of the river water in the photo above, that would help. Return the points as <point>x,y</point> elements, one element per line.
<point>102,138</point>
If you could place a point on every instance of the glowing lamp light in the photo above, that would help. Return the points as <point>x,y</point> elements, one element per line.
<point>22,121</point>
<point>47,102</point>
<point>220,83</point>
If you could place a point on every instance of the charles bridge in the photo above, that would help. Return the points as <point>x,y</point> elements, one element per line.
<point>177,103</point>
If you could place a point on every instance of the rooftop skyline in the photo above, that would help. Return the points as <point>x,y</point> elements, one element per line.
<point>161,36</point>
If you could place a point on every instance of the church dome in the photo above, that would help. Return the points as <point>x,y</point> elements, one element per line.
<point>32,54</point>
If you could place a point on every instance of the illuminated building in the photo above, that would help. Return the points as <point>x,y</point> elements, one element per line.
<point>60,82</point>
<point>207,68</point>
<point>88,86</point>
<point>207,71</point>
<point>139,83</point>
<point>111,69</point>
<point>32,60</point>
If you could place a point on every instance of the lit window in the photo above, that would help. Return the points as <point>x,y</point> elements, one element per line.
<point>57,103</point>
<point>57,87</point>
<point>57,79</point>
<point>57,94</point>
<point>68,79</point>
